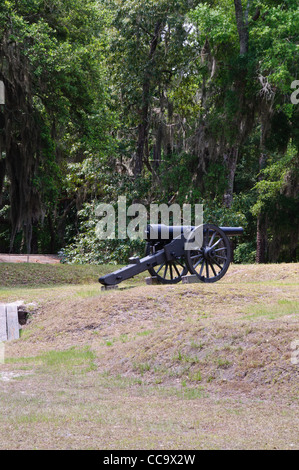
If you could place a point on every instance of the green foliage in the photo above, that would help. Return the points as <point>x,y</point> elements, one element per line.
<point>100,70</point>
<point>271,187</point>
<point>63,43</point>
<point>245,253</point>
<point>216,23</point>
<point>87,248</point>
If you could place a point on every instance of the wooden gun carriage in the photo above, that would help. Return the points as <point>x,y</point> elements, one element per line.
<point>173,251</point>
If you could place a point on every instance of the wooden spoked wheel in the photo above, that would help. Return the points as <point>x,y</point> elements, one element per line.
<point>210,255</point>
<point>170,272</point>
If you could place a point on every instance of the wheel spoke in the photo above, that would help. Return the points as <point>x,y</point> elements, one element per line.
<point>175,267</point>
<point>196,264</point>
<point>202,266</point>
<point>212,238</point>
<point>219,266</point>
<point>180,263</point>
<point>211,264</point>
<point>207,269</point>
<point>160,268</point>
<point>170,268</point>
<point>165,271</point>
<point>217,242</point>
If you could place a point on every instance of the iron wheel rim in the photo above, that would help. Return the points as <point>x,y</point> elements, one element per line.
<point>210,261</point>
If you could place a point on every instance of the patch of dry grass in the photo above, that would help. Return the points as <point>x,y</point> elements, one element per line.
<point>185,366</point>
<point>99,412</point>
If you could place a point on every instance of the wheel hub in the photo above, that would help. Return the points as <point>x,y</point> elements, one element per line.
<point>208,253</point>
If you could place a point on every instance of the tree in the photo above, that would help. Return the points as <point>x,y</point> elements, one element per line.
<point>51,65</point>
<point>147,54</point>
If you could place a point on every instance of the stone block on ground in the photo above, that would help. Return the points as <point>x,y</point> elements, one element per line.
<point>3,323</point>
<point>104,288</point>
<point>13,327</point>
<point>151,281</point>
<point>191,279</point>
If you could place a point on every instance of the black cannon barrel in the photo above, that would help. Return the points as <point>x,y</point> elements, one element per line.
<point>165,232</point>
<point>232,231</point>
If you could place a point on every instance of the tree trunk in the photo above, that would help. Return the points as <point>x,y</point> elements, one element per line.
<point>261,228</point>
<point>242,25</point>
<point>2,175</point>
<point>142,132</point>
<point>231,164</point>
<point>261,235</point>
<point>261,239</point>
<point>52,234</point>
<point>158,146</point>
<point>144,123</point>
<point>34,239</point>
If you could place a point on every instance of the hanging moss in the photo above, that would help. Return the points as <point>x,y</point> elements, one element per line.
<point>20,140</point>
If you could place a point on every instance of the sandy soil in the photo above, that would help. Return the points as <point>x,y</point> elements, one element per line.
<point>43,259</point>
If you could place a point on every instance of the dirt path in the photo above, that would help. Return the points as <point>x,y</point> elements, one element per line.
<point>43,259</point>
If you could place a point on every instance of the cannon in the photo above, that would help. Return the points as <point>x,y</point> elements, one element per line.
<point>169,257</point>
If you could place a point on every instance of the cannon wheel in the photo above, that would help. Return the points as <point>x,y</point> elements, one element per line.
<point>170,272</point>
<point>211,260</point>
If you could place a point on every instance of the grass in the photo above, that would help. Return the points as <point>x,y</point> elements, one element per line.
<point>36,274</point>
<point>145,368</point>
<point>33,275</point>
<point>68,359</point>
<point>101,412</point>
<point>272,311</point>
<point>37,283</point>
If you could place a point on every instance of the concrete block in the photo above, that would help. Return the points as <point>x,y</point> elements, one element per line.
<point>150,281</point>
<point>13,327</point>
<point>3,323</point>
<point>191,279</point>
<point>104,288</point>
